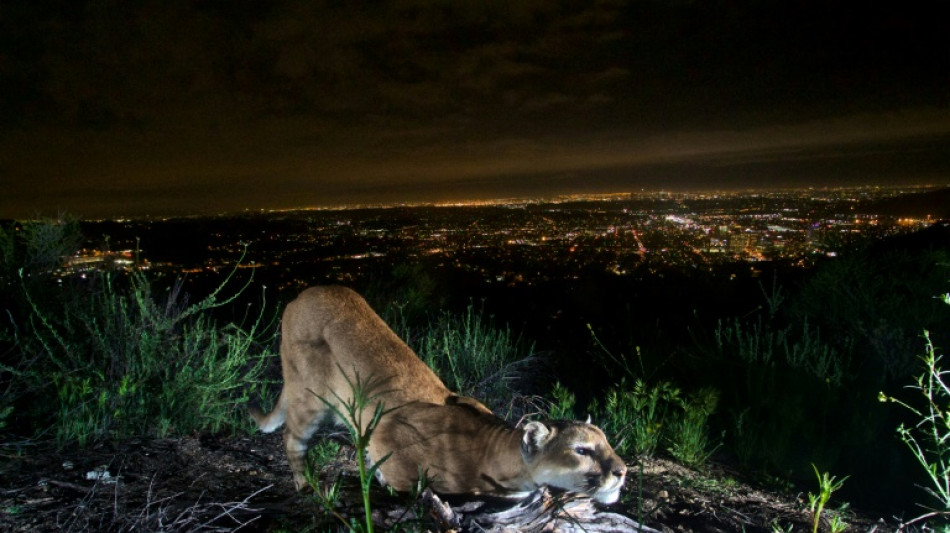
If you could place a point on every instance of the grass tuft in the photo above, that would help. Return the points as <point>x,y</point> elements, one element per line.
<point>472,355</point>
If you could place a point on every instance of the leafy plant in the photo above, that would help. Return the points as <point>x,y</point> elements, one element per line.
<point>777,528</point>
<point>816,502</point>
<point>929,438</point>
<point>363,395</point>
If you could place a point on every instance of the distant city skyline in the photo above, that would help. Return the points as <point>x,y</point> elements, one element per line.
<point>200,108</point>
<point>519,243</point>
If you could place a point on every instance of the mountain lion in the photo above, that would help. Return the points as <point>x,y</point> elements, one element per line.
<point>330,335</point>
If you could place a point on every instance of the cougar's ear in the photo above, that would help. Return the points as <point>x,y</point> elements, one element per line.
<point>536,435</point>
<point>588,419</point>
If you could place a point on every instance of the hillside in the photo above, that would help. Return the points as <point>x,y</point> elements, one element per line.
<point>217,483</point>
<point>935,204</point>
<point>771,367</point>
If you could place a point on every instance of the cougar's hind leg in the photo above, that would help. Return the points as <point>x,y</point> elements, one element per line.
<point>302,423</point>
<point>297,457</point>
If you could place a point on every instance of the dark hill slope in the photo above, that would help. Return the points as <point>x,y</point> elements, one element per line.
<point>934,203</point>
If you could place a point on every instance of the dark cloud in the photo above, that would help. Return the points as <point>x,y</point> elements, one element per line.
<point>344,100</point>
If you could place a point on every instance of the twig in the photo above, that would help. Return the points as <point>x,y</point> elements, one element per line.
<point>68,485</point>
<point>190,519</point>
<point>920,519</point>
<point>241,505</point>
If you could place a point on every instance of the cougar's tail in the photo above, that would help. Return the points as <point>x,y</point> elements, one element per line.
<point>268,422</point>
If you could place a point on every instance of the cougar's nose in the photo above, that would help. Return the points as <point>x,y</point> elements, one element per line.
<point>620,470</point>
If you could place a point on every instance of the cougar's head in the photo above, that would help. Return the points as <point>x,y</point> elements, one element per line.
<point>575,457</point>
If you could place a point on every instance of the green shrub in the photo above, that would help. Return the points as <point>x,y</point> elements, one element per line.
<point>797,394</point>
<point>688,434</point>
<point>119,362</point>
<point>43,245</point>
<point>319,456</point>
<point>877,300</point>
<point>472,356</point>
<point>787,390</point>
<point>636,417</point>
<point>405,294</point>
<point>562,403</point>
<point>801,348</point>
<point>8,263</point>
<point>643,417</point>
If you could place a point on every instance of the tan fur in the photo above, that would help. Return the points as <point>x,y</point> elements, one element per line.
<point>462,450</point>
<point>330,335</point>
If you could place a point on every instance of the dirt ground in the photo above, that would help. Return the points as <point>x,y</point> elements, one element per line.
<point>215,483</point>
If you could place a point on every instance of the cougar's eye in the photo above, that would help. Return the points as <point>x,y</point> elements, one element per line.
<point>581,450</point>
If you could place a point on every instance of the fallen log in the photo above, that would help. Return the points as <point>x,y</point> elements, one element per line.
<point>540,511</point>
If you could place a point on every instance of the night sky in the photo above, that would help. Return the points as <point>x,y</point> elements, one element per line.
<point>127,108</point>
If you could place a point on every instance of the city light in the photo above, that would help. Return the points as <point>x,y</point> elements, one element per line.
<point>523,241</point>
